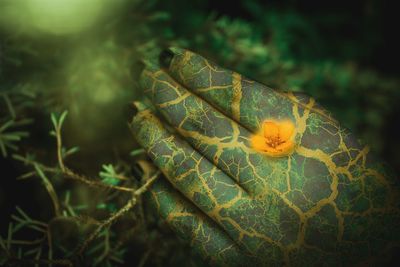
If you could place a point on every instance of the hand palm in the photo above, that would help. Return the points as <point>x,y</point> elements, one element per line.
<point>322,202</point>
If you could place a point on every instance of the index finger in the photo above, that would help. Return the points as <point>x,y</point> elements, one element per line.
<point>242,99</point>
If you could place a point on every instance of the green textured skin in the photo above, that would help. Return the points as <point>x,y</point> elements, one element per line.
<point>328,203</point>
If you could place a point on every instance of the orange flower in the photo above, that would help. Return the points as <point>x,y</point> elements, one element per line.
<point>275,138</point>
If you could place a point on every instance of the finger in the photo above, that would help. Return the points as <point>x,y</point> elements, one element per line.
<point>246,101</point>
<point>191,224</point>
<point>192,174</point>
<point>220,139</point>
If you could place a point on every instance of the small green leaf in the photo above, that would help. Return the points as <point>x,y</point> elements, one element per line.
<point>109,175</point>
<point>26,217</point>
<point>71,151</point>
<point>101,206</point>
<point>54,120</point>
<point>11,137</point>
<point>26,175</point>
<point>3,149</point>
<point>6,125</point>
<point>2,244</point>
<point>9,235</point>
<point>67,197</point>
<point>31,251</point>
<point>137,152</point>
<point>23,122</point>
<point>62,118</point>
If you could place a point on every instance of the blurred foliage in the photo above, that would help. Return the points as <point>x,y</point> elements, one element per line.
<point>91,72</point>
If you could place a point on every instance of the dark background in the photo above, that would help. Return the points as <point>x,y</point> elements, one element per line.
<point>347,53</point>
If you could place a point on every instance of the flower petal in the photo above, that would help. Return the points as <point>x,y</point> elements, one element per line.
<point>282,131</point>
<point>271,129</point>
<point>258,142</point>
<point>286,130</point>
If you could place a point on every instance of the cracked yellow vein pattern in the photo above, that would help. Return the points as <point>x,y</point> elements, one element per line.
<point>328,203</point>
<point>192,225</point>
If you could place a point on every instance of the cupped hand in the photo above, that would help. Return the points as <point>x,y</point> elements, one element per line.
<point>254,176</point>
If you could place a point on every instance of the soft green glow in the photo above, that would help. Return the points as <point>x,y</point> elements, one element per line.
<point>97,86</point>
<point>64,16</point>
<point>53,16</point>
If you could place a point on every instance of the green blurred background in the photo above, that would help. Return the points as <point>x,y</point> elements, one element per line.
<point>81,56</point>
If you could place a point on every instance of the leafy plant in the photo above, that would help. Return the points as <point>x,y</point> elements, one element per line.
<point>88,174</point>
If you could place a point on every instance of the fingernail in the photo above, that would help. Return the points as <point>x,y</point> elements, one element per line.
<point>130,110</point>
<point>137,69</point>
<point>134,108</point>
<point>139,106</point>
<point>137,171</point>
<point>166,57</point>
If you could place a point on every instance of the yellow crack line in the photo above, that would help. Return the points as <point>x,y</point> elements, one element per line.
<point>303,222</point>
<point>170,83</point>
<point>167,170</point>
<point>214,140</point>
<point>237,95</point>
<point>215,212</point>
<point>177,214</point>
<point>214,87</point>
<point>289,167</point>
<point>363,153</point>
<point>326,159</point>
<point>182,176</point>
<point>175,101</point>
<point>185,58</point>
<point>301,121</point>
<point>248,233</point>
<point>202,186</point>
<point>211,67</point>
<point>292,98</point>
<point>195,234</point>
<point>231,246</point>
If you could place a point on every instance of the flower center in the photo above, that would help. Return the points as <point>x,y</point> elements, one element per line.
<point>275,138</point>
<point>273,141</point>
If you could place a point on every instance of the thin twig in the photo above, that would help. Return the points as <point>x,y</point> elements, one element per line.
<point>27,242</point>
<point>93,183</point>
<point>143,260</point>
<point>130,204</point>
<point>50,245</point>
<point>30,262</point>
<point>9,106</point>
<point>59,147</point>
<point>50,189</point>
<point>4,247</point>
<point>120,177</point>
<point>108,222</point>
<point>106,250</point>
<point>69,174</point>
<point>146,185</point>
<point>32,162</point>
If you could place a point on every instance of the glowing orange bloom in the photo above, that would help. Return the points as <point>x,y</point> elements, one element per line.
<point>275,138</point>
